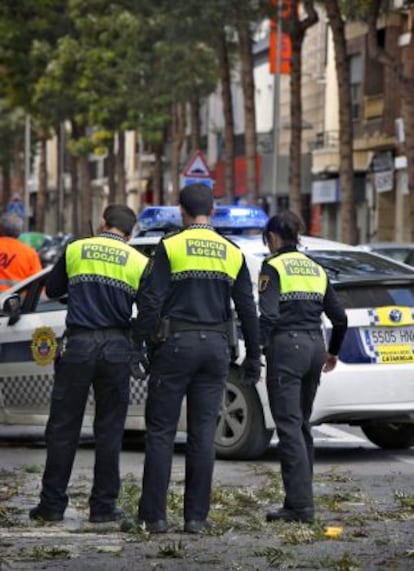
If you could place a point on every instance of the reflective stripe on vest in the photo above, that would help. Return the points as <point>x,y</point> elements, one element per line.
<point>110,259</point>
<point>202,250</point>
<point>300,277</point>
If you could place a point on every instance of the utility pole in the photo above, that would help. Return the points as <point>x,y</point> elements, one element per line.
<point>276,103</point>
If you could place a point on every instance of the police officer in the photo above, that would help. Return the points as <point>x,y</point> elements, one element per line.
<point>195,273</point>
<point>102,277</point>
<point>293,292</point>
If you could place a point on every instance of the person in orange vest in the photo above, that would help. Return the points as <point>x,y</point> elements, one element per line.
<point>18,261</point>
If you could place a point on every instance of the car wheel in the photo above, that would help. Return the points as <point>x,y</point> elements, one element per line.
<point>389,434</point>
<point>241,432</point>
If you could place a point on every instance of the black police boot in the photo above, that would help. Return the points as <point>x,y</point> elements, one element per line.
<point>159,526</point>
<point>103,517</point>
<point>196,526</point>
<point>41,513</point>
<point>304,515</point>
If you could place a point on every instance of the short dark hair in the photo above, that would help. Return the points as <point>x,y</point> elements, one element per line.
<point>121,217</point>
<point>197,199</point>
<point>11,225</point>
<point>287,225</point>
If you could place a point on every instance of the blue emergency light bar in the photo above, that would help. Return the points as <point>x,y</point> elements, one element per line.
<point>226,218</point>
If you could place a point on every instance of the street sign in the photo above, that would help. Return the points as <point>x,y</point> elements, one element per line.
<point>197,167</point>
<point>16,207</point>
<point>197,172</point>
<point>186,181</point>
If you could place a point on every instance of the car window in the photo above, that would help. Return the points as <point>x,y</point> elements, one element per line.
<point>34,298</point>
<point>410,258</point>
<point>357,296</point>
<point>346,264</point>
<point>399,254</point>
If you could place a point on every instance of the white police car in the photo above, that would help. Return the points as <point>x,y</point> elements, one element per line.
<point>372,386</point>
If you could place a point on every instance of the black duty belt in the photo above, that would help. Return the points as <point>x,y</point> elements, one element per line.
<point>280,331</point>
<point>77,330</point>
<point>177,326</point>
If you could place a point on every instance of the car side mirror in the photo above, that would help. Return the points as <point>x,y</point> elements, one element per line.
<point>11,306</point>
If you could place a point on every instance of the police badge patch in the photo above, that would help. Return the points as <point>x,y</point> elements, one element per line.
<point>263,282</point>
<point>43,345</point>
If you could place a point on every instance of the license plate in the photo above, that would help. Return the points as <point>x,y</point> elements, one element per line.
<point>389,335</point>
<point>389,345</point>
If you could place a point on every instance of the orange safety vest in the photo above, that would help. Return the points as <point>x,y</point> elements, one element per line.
<point>18,261</point>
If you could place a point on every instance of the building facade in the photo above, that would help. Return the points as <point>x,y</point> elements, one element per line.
<point>380,166</point>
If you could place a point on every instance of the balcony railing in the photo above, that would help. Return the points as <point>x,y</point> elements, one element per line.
<point>325,140</point>
<point>373,106</point>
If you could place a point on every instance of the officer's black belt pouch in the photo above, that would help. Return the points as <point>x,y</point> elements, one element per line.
<point>177,326</point>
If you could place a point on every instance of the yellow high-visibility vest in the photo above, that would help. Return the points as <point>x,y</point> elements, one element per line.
<point>300,277</point>
<point>102,256</point>
<point>193,252</point>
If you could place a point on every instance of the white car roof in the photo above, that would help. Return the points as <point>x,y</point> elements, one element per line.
<point>312,243</point>
<point>254,243</point>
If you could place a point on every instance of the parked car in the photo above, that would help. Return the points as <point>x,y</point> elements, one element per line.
<point>372,386</point>
<point>400,251</point>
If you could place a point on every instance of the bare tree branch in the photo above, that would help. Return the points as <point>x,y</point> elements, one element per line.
<point>312,16</point>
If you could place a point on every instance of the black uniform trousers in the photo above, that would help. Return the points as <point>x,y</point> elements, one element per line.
<point>194,364</point>
<point>294,364</point>
<point>99,358</point>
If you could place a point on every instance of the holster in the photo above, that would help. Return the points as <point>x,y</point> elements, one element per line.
<point>233,336</point>
<point>164,330</point>
<point>168,326</point>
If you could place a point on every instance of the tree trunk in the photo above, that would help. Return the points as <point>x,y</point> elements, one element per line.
<point>18,162</point>
<point>74,195</point>
<point>120,169</point>
<point>42,184</point>
<point>6,183</point>
<point>407,95</point>
<point>195,122</point>
<point>60,188</point>
<point>157,188</point>
<point>296,29</point>
<point>87,227</point>
<point>247,81</point>
<point>295,154</point>
<point>87,198</point>
<point>227,99</point>
<point>178,134</point>
<point>74,182</point>
<point>111,173</point>
<point>346,162</point>
<point>404,72</point>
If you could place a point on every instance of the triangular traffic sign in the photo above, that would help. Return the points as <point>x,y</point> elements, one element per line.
<point>197,167</point>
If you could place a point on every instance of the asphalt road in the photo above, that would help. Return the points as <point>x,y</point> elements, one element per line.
<point>365,491</point>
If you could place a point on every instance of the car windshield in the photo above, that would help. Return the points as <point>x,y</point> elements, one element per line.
<point>347,264</point>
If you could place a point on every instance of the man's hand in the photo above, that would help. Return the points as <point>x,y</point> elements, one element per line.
<point>139,364</point>
<point>250,371</point>
<point>330,363</point>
